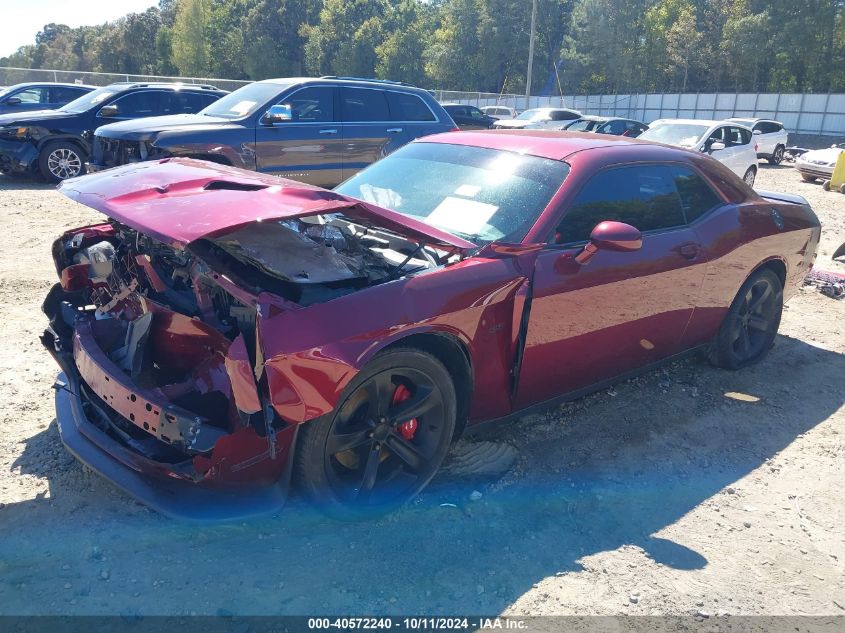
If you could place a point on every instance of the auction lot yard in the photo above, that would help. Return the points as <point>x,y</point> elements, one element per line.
<point>689,489</point>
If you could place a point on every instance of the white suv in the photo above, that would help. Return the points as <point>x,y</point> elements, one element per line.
<point>729,143</point>
<point>769,136</point>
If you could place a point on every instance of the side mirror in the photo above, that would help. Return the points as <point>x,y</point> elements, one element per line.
<point>13,101</point>
<point>755,132</point>
<point>611,236</point>
<point>715,147</point>
<point>108,111</point>
<point>277,114</point>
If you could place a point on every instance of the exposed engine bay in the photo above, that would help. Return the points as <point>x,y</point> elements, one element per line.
<point>176,327</point>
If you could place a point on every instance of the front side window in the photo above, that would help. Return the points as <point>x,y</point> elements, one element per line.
<point>311,105</point>
<point>32,96</point>
<point>143,103</point>
<point>190,102</point>
<point>408,107</point>
<point>477,193</point>
<point>363,105</point>
<point>643,196</point>
<point>475,113</point>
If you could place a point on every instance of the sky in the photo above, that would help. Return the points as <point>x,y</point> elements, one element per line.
<point>22,19</point>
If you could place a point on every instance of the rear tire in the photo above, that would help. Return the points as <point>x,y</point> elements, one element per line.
<point>749,328</point>
<point>826,185</point>
<point>777,157</point>
<point>366,458</point>
<point>750,176</point>
<point>61,160</point>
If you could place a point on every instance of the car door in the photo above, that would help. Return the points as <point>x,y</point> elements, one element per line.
<point>727,155</point>
<point>309,147</point>
<point>742,142</point>
<point>620,311</point>
<point>368,131</point>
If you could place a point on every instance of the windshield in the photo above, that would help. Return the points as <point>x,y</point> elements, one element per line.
<point>480,194</point>
<point>682,134</point>
<point>88,101</point>
<point>244,101</point>
<point>531,115</point>
<point>5,91</point>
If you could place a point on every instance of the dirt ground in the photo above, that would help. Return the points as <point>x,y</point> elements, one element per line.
<point>687,490</point>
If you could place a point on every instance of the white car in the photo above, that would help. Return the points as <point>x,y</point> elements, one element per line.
<point>818,163</point>
<point>540,116</point>
<point>769,135</point>
<point>500,112</point>
<point>729,143</point>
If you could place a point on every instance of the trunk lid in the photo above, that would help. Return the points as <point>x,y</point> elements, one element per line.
<point>179,201</point>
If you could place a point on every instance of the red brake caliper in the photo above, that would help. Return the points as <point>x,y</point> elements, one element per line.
<point>407,429</point>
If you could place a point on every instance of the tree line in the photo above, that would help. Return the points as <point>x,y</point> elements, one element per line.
<point>582,46</point>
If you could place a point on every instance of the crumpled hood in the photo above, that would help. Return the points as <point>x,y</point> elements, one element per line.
<point>150,126</point>
<point>179,200</point>
<point>821,156</point>
<point>34,116</point>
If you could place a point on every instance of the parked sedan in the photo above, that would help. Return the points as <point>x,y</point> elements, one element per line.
<point>468,117</point>
<point>818,163</point>
<point>39,96</point>
<point>221,328</point>
<point>729,143</point>
<point>56,143</point>
<point>539,117</point>
<point>770,137</point>
<point>598,124</point>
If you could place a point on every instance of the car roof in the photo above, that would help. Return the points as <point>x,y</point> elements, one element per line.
<point>542,143</point>
<point>707,122</point>
<point>28,84</point>
<point>755,119</point>
<point>382,83</point>
<point>176,85</point>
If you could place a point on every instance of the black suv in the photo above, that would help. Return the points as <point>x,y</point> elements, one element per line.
<point>57,143</point>
<point>318,131</point>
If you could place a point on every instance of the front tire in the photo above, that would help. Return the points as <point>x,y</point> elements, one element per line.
<point>750,176</point>
<point>777,157</point>
<point>749,328</point>
<point>808,178</point>
<point>385,439</point>
<point>61,160</point>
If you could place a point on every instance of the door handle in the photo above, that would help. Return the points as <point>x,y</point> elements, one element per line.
<point>394,130</point>
<point>690,250</point>
<point>329,131</point>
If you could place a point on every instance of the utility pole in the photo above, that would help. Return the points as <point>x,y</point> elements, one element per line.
<point>530,55</point>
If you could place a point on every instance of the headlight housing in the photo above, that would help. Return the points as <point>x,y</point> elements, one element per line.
<point>14,131</point>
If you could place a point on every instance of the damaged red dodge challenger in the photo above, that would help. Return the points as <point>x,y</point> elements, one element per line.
<point>224,330</point>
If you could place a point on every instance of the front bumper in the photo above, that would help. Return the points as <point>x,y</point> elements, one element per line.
<point>18,156</point>
<point>157,485</point>
<point>817,171</point>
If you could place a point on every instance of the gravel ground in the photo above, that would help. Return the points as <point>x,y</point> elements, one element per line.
<point>687,490</point>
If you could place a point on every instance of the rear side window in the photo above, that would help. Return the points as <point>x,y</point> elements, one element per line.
<point>697,198</point>
<point>643,196</point>
<point>408,107</point>
<point>190,102</point>
<point>65,94</point>
<point>143,103</point>
<point>562,115</point>
<point>362,105</point>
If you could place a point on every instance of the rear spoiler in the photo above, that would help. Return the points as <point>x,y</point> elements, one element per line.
<point>779,196</point>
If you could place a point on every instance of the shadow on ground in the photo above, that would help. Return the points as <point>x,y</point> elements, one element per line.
<point>601,473</point>
<point>22,183</point>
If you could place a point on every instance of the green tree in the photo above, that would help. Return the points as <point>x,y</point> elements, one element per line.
<point>191,38</point>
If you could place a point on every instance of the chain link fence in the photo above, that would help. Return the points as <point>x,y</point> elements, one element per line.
<point>817,114</point>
